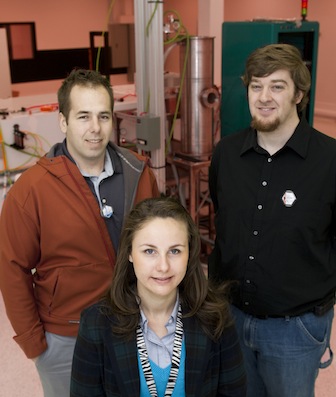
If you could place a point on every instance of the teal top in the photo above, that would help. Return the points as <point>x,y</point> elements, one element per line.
<point>161,376</point>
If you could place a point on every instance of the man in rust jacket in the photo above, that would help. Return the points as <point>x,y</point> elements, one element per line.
<point>60,226</point>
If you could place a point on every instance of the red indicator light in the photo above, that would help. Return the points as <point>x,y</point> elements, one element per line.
<point>304,9</point>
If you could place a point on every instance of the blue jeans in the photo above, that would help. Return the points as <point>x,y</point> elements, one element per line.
<point>283,355</point>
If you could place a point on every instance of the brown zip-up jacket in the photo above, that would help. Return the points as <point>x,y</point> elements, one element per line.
<point>56,255</point>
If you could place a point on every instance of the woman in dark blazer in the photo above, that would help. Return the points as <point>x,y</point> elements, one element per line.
<point>162,330</point>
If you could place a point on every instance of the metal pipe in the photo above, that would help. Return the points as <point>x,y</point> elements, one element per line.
<point>199,97</point>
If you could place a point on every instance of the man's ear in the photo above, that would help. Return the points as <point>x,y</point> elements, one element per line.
<point>62,122</point>
<point>298,97</point>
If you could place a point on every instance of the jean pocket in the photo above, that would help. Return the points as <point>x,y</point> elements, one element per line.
<point>316,329</point>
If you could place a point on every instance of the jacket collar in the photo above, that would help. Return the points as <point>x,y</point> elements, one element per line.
<point>197,343</point>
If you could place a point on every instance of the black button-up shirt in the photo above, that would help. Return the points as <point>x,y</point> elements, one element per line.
<point>275,221</point>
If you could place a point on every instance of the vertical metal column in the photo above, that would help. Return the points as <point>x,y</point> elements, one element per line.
<point>199,97</point>
<point>149,73</point>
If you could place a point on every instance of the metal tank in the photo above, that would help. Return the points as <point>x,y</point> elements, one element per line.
<point>199,97</point>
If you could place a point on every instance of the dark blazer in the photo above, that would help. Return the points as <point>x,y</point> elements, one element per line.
<point>107,365</point>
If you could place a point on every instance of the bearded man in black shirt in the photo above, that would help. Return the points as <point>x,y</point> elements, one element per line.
<point>273,187</point>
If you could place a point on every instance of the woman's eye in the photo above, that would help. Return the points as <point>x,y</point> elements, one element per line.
<point>175,251</point>
<point>149,251</point>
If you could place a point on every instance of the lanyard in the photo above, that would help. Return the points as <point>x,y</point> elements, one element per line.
<point>175,364</point>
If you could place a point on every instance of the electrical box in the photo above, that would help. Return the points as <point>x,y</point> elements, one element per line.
<point>148,132</point>
<point>239,39</point>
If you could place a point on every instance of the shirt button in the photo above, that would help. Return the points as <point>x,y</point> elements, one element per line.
<point>260,207</point>
<point>251,257</point>
<point>255,232</point>
<point>264,183</point>
<point>246,303</point>
<point>248,281</point>
<point>269,160</point>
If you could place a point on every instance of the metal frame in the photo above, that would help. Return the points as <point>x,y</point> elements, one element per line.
<point>149,74</point>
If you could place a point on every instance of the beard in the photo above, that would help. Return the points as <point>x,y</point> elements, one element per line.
<point>265,126</point>
<point>269,126</point>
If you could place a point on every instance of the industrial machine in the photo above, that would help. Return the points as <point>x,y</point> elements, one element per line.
<point>239,39</point>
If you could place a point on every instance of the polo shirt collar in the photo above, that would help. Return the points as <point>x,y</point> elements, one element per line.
<point>107,171</point>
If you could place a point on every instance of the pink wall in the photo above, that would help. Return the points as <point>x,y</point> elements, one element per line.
<point>66,24</point>
<point>322,11</point>
<point>59,24</point>
<point>188,11</point>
